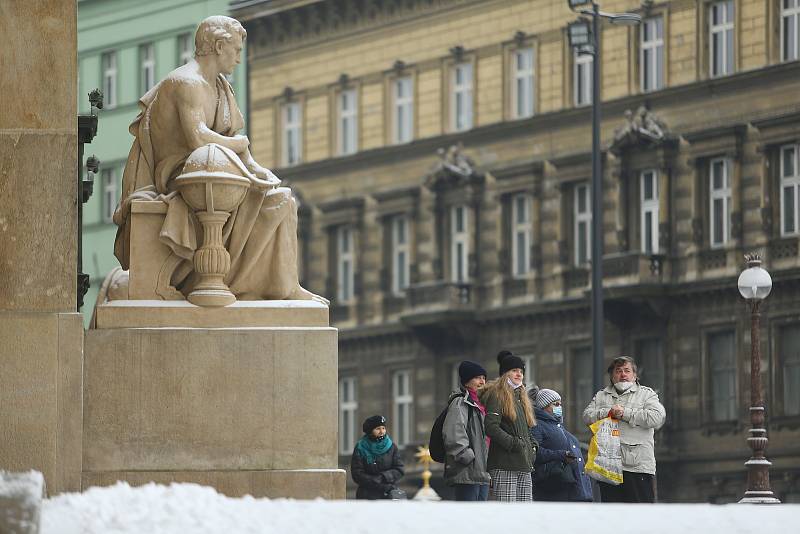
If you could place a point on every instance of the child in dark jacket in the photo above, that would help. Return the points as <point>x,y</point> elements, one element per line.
<point>376,465</point>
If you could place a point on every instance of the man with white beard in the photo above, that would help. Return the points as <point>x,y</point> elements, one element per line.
<point>639,413</point>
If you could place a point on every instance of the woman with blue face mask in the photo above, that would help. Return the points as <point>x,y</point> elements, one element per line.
<point>559,474</point>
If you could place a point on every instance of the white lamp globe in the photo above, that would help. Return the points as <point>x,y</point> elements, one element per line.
<point>755,283</point>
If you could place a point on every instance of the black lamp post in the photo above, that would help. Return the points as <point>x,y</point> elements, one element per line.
<point>755,284</point>
<point>585,39</point>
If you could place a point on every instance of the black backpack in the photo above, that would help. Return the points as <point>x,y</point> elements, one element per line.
<point>436,441</point>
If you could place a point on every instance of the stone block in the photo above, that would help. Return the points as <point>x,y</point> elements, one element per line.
<point>219,401</point>
<point>21,502</point>
<point>40,395</point>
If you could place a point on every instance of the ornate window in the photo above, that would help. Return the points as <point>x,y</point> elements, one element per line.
<point>790,30</point>
<point>719,187</point>
<point>582,79</point>
<point>292,133</point>
<point>459,244</point>
<point>720,38</point>
<point>788,345</point>
<point>651,54</point>
<point>400,254</point>
<point>403,402</point>
<point>347,122</point>
<point>461,108</point>
<point>582,224</point>
<point>521,234</point>
<point>402,109</point>
<point>522,88</point>
<point>721,356</point>
<point>650,364</point>
<point>581,382</point>
<point>648,187</point>
<point>348,408</point>
<point>345,264</point>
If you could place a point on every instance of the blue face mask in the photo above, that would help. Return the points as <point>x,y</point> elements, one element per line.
<point>557,412</point>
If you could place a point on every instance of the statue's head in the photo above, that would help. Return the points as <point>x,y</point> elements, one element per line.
<point>221,36</point>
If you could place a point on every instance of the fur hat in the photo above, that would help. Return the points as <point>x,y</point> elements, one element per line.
<point>508,361</point>
<point>546,397</point>
<point>373,422</point>
<point>468,370</point>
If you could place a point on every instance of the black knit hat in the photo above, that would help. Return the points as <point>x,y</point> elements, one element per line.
<point>373,422</point>
<point>508,361</point>
<point>468,370</point>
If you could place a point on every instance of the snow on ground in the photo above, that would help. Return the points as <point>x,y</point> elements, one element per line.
<point>190,509</point>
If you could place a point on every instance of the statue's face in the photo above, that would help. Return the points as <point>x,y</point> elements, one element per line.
<point>229,53</point>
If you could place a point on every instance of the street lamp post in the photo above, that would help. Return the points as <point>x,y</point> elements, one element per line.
<point>586,41</point>
<point>755,284</point>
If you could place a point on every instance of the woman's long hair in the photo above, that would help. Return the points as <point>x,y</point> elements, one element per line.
<point>505,395</point>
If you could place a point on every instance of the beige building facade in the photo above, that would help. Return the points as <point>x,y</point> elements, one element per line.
<point>441,153</point>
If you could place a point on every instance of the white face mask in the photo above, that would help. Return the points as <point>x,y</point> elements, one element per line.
<point>623,386</point>
<point>512,384</point>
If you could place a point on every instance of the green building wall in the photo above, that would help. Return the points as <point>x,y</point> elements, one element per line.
<point>123,26</point>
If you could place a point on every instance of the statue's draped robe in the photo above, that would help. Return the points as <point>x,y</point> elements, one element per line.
<point>260,235</point>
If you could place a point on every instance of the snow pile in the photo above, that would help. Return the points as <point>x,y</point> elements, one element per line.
<point>189,508</point>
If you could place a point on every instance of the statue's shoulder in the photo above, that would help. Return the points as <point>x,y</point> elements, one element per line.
<point>185,79</point>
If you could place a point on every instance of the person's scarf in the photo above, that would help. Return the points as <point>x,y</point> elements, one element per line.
<point>370,449</point>
<point>473,395</point>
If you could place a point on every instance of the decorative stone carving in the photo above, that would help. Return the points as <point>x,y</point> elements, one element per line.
<point>453,168</point>
<point>188,156</point>
<point>640,128</point>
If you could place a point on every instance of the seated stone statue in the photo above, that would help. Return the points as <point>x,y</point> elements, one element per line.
<point>192,107</point>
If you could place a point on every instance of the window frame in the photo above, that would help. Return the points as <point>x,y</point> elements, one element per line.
<point>725,194</point>
<point>459,238</point>
<point>110,187</point>
<point>792,181</point>
<point>348,409</point>
<point>403,428</point>
<point>291,129</point>
<point>778,364</point>
<point>185,48</point>
<point>345,264</point>
<point>110,76</point>
<point>400,250</point>
<point>347,130</point>
<point>724,28</point>
<point>402,107</point>
<point>713,373</point>
<point>528,75</point>
<point>579,217</point>
<point>462,92</point>
<point>649,207</point>
<point>784,13</point>
<point>655,80</point>
<point>524,227</point>
<point>147,66</point>
<point>582,63</point>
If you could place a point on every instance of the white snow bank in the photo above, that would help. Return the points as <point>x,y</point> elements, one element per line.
<point>189,508</point>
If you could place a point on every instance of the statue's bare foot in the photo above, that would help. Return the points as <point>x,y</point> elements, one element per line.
<point>301,293</point>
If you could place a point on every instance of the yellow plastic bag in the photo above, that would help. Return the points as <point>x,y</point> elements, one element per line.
<point>605,452</point>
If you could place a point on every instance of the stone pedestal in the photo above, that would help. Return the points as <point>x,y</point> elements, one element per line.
<point>250,409</point>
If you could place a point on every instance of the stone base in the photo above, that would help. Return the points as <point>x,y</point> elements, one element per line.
<point>293,484</point>
<point>40,395</point>
<point>247,410</point>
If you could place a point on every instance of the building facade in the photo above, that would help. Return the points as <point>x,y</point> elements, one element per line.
<point>124,48</point>
<point>441,153</point>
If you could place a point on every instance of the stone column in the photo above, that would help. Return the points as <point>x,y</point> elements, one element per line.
<point>41,333</point>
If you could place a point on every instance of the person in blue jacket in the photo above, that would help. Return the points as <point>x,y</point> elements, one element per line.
<point>559,473</point>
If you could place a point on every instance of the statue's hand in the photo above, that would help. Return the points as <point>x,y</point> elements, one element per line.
<point>239,143</point>
<point>264,178</point>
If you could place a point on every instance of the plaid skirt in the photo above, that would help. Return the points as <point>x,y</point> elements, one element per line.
<point>510,486</point>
